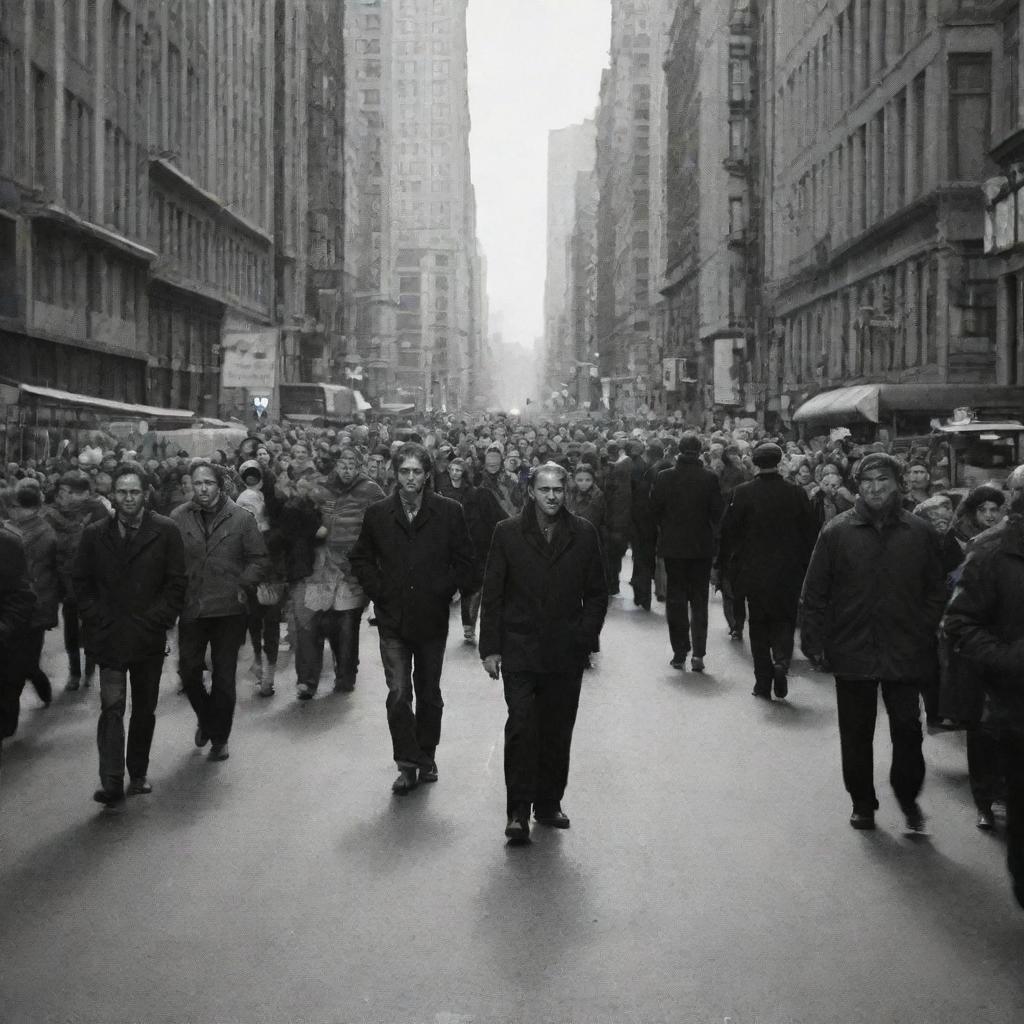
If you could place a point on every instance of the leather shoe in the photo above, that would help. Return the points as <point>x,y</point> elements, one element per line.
<point>697,664</point>
<point>779,680</point>
<point>405,783</point>
<point>109,797</point>
<point>862,820</point>
<point>517,831</point>
<point>429,774</point>
<point>678,663</point>
<point>986,819</point>
<point>139,787</point>
<point>218,752</point>
<point>553,819</point>
<point>763,694</point>
<point>201,738</point>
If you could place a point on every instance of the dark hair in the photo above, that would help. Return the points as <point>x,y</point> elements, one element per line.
<point>75,480</point>
<point>128,469</point>
<point>215,468</point>
<point>690,444</point>
<point>976,498</point>
<point>412,450</point>
<point>28,493</point>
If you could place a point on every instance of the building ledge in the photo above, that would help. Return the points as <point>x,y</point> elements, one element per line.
<point>176,174</point>
<point>1009,148</point>
<point>59,215</point>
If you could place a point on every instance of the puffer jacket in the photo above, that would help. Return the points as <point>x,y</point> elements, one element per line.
<point>983,619</point>
<point>873,596</point>
<point>41,554</point>
<point>220,560</point>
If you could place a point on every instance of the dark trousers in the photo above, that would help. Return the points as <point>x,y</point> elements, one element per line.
<point>538,736</point>
<point>857,701</point>
<point>27,662</point>
<point>643,569</point>
<point>470,608</point>
<point>145,686</point>
<point>734,608</point>
<point>413,669</point>
<point>224,635</point>
<point>73,639</point>
<point>771,640</point>
<point>1011,746</point>
<point>341,631</point>
<point>985,767</point>
<point>264,624</point>
<point>686,605</point>
<point>613,553</point>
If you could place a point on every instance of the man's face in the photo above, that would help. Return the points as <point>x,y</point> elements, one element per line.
<point>878,487</point>
<point>205,486</point>
<point>455,472</point>
<point>68,499</point>
<point>574,459</point>
<point>375,467</point>
<point>411,477</point>
<point>129,497</point>
<point>941,518</point>
<point>347,468</point>
<point>492,462</point>
<point>548,491</point>
<point>300,453</point>
<point>263,457</point>
<point>917,478</point>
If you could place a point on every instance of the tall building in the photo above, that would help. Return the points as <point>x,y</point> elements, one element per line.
<point>571,151</point>
<point>625,122</point>
<point>706,318</point>
<point>877,138</point>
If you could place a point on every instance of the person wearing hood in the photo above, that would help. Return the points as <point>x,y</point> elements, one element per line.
<point>224,553</point>
<point>872,600</point>
<point>329,606</point>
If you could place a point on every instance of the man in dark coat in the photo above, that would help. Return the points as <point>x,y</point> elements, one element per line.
<point>687,506</point>
<point>984,623</point>
<point>618,503</point>
<point>17,601</point>
<point>646,466</point>
<point>412,554</point>
<point>767,535</point>
<point>129,582</point>
<point>544,601</point>
<point>872,600</point>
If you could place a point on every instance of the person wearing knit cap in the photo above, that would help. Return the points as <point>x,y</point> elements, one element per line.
<point>768,532</point>
<point>872,600</point>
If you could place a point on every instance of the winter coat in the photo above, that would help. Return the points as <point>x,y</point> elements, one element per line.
<point>342,510</point>
<point>768,533</point>
<point>642,477</point>
<point>873,596</point>
<point>618,499</point>
<point>483,512</point>
<point>16,604</point>
<point>293,532</point>
<point>543,604</point>
<point>40,542</point>
<point>687,506</point>
<point>129,595</point>
<point>983,619</point>
<point>411,571</point>
<point>590,506</point>
<point>68,525</point>
<point>222,562</point>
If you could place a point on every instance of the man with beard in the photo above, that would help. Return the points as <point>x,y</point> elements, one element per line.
<point>767,535</point>
<point>872,600</point>
<point>544,601</point>
<point>129,580</point>
<point>224,554</point>
<point>330,604</point>
<point>413,553</point>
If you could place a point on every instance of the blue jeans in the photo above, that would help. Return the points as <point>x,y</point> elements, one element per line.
<point>145,684</point>
<point>413,668</point>
<point>225,635</point>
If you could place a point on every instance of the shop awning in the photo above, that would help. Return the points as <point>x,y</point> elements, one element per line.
<point>70,399</point>
<point>396,407</point>
<point>843,405</point>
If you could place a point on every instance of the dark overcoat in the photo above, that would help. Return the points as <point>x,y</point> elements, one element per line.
<point>543,605</point>
<point>129,595</point>
<point>411,571</point>
<point>768,533</point>
<point>687,506</point>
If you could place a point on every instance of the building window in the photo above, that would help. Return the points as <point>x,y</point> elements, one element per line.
<point>8,267</point>
<point>1011,70</point>
<point>970,102</point>
<point>42,121</point>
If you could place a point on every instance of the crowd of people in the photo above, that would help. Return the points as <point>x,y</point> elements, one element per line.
<point>895,582</point>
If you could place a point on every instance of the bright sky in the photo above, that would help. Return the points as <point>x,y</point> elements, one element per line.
<point>534,65</point>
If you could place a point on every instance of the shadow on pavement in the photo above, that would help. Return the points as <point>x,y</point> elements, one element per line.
<point>302,717</point>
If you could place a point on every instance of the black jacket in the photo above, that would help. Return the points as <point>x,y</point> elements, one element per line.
<point>984,617</point>
<point>411,570</point>
<point>768,532</point>
<point>687,505</point>
<point>873,596</point>
<point>483,512</point>
<point>543,604</point>
<point>17,601</point>
<point>129,596</point>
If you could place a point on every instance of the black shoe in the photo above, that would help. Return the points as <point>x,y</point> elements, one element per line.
<point>218,752</point>
<point>986,819</point>
<point>73,683</point>
<point>916,822</point>
<point>678,663</point>
<point>405,783</point>
<point>517,831</point>
<point>304,691</point>
<point>139,787</point>
<point>763,694</point>
<point>862,819</point>
<point>779,680</point>
<point>41,684</point>
<point>555,818</point>
<point>109,797</point>
<point>344,685</point>
<point>201,738</point>
<point>697,664</point>
<point>429,774</point>
<point>735,634</point>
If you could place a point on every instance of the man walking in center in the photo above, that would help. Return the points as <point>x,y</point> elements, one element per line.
<point>687,506</point>
<point>545,596</point>
<point>129,585</point>
<point>224,554</point>
<point>872,601</point>
<point>767,535</point>
<point>412,554</point>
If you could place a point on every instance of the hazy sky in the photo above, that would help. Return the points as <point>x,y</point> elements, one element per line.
<point>534,65</point>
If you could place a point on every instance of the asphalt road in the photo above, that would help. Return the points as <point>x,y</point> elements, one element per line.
<point>709,875</point>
